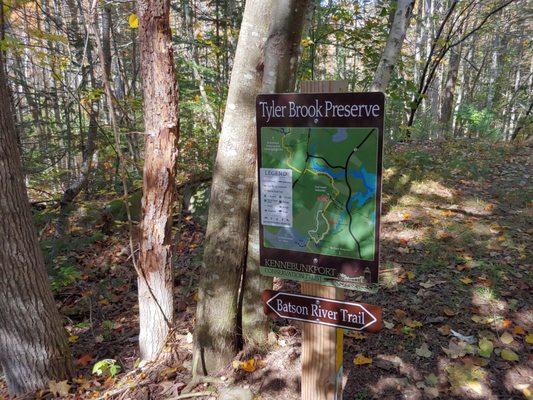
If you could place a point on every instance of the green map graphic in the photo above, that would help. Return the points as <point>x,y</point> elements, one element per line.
<point>334,179</point>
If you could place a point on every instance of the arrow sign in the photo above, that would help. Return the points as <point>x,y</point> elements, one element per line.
<point>318,310</point>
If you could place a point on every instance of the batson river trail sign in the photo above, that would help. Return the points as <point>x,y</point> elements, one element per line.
<point>340,314</point>
<point>319,168</point>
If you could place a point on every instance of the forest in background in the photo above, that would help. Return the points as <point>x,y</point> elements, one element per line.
<point>462,82</point>
<point>459,93</point>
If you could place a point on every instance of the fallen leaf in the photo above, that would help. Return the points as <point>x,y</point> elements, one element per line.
<point>466,281</point>
<point>410,275</point>
<point>432,379</point>
<point>248,365</point>
<point>84,360</point>
<point>423,351</point>
<point>529,338</point>
<point>506,323</point>
<point>506,338</point>
<point>400,314</point>
<point>448,311</point>
<point>518,330</point>
<point>509,355</point>
<point>479,319</point>
<point>73,338</point>
<point>455,350</point>
<point>388,325</point>
<point>59,388</point>
<point>427,285</point>
<point>485,348</point>
<point>411,323</point>
<point>362,360</point>
<point>356,335</point>
<point>444,330</point>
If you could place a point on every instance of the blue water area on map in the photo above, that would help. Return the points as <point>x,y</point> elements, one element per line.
<point>340,136</point>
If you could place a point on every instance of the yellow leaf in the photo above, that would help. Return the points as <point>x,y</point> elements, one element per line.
<point>509,355</point>
<point>529,338</point>
<point>411,323</point>
<point>73,338</point>
<point>235,364</point>
<point>133,21</point>
<point>356,335</point>
<point>362,360</point>
<point>411,275</point>
<point>406,215</point>
<point>248,365</point>
<point>466,281</point>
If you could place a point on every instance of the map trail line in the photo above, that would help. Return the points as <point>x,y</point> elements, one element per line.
<point>350,190</point>
<point>346,174</point>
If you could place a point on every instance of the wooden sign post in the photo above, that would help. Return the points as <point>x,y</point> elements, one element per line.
<point>322,347</point>
<point>319,167</point>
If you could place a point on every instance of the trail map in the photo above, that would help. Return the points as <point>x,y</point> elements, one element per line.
<point>319,163</point>
<point>318,190</point>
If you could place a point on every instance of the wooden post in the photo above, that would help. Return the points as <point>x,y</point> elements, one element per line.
<point>322,345</point>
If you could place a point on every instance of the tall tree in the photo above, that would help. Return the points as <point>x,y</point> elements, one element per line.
<point>281,54</point>
<point>217,337</point>
<point>161,120</point>
<point>230,290</point>
<point>33,343</point>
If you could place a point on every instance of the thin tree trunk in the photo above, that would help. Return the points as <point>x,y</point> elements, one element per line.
<point>161,119</point>
<point>33,345</point>
<point>389,56</point>
<point>449,93</point>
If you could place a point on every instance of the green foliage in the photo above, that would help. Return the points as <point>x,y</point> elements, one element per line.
<point>106,366</point>
<point>478,121</point>
<point>65,273</point>
<point>117,208</point>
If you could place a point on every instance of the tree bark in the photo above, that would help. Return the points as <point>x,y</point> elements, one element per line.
<point>449,93</point>
<point>161,122</point>
<point>217,336</point>
<point>390,54</point>
<point>279,76</point>
<point>33,344</point>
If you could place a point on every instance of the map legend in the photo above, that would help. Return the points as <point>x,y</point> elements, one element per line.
<point>276,196</point>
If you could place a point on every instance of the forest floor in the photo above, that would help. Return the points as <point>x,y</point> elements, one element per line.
<point>455,292</point>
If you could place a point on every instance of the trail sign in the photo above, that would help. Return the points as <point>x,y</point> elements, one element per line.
<point>319,168</point>
<point>319,310</point>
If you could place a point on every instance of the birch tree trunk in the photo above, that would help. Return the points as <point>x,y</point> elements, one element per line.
<point>161,120</point>
<point>33,343</point>
<point>392,50</point>
<point>217,337</point>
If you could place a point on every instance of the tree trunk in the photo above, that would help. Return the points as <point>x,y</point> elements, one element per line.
<point>389,56</point>
<point>161,119</point>
<point>33,345</point>
<point>449,93</point>
<point>217,336</point>
<point>279,76</point>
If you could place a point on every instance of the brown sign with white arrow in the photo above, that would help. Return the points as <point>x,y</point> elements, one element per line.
<point>318,310</point>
